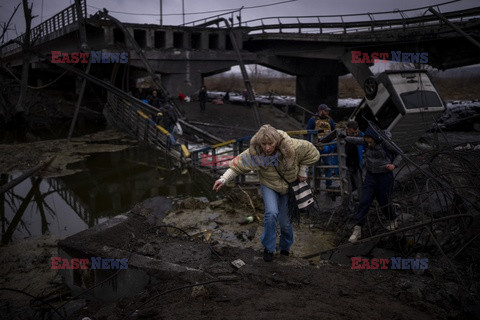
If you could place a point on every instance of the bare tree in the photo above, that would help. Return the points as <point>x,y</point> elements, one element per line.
<point>4,29</point>
<point>6,25</point>
<point>19,108</point>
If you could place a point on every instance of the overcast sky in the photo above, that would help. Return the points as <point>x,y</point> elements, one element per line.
<point>148,11</point>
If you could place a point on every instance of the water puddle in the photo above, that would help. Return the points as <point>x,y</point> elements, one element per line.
<point>109,183</point>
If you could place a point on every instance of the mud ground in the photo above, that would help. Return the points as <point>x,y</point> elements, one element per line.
<point>287,288</point>
<point>212,288</point>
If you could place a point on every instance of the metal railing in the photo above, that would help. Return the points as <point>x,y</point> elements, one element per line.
<point>362,22</point>
<point>66,17</point>
<point>341,166</point>
<point>138,122</point>
<point>71,199</point>
<point>295,112</point>
<point>215,159</point>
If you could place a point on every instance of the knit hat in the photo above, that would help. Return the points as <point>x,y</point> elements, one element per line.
<point>323,107</point>
<point>371,133</point>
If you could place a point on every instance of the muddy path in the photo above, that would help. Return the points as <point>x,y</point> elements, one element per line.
<point>193,276</point>
<point>288,288</point>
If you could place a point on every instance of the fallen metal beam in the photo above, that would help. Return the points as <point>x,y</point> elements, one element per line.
<point>79,101</point>
<point>211,138</point>
<point>143,58</point>
<point>454,27</point>
<point>7,236</point>
<point>246,80</point>
<point>26,175</point>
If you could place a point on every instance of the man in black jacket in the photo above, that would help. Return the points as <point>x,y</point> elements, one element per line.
<point>202,98</point>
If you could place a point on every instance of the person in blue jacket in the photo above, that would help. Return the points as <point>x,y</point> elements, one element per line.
<point>321,121</point>
<point>353,161</point>
<point>325,124</point>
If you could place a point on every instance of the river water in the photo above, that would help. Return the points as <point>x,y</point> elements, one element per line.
<point>108,184</point>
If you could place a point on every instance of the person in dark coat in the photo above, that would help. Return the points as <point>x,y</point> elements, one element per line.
<point>202,98</point>
<point>169,120</point>
<point>379,161</point>
<point>154,99</point>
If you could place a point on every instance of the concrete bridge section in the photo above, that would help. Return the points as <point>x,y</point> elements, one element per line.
<point>315,52</point>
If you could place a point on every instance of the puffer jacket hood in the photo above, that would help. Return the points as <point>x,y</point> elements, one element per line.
<point>371,133</point>
<point>292,153</point>
<point>286,150</point>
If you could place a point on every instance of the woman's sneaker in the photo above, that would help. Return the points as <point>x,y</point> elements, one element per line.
<point>356,235</point>
<point>393,225</point>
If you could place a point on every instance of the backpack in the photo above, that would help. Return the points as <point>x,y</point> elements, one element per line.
<point>323,125</point>
<point>169,116</point>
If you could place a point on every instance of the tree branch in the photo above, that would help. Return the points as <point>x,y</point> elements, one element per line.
<point>7,24</point>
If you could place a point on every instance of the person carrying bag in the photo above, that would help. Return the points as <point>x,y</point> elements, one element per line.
<point>274,151</point>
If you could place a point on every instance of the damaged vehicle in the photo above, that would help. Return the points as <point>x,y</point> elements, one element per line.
<point>402,102</point>
<point>460,115</point>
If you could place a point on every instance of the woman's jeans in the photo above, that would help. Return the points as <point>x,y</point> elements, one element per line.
<point>276,209</point>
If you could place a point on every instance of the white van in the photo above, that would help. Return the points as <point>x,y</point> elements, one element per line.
<point>402,102</point>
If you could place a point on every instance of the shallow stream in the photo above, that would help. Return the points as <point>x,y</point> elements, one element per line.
<point>108,184</point>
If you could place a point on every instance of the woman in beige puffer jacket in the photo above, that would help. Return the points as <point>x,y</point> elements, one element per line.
<point>271,153</point>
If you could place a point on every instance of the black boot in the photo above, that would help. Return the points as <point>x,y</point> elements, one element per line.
<point>267,255</point>
<point>284,253</point>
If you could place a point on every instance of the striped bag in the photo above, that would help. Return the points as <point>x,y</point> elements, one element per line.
<point>300,198</point>
<point>303,194</point>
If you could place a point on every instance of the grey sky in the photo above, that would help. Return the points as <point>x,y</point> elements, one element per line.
<point>173,9</point>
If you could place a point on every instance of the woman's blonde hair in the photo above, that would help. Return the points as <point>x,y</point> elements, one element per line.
<point>267,134</point>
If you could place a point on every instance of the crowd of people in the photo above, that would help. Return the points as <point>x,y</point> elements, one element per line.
<point>370,161</point>
<point>166,115</point>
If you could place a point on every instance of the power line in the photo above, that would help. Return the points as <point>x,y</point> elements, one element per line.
<point>269,5</point>
<point>195,13</point>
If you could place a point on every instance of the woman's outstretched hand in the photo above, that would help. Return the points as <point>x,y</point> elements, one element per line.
<point>217,185</point>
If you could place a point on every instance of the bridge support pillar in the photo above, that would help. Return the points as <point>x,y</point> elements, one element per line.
<point>188,84</point>
<point>315,89</point>
<point>317,79</point>
<point>150,38</point>
<point>169,39</point>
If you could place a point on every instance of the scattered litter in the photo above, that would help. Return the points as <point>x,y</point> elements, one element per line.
<point>238,263</point>
<point>198,291</point>
<point>247,220</point>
